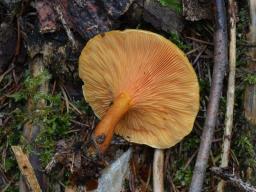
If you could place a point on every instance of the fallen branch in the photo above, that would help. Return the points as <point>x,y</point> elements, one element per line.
<point>220,62</point>
<point>26,169</point>
<point>233,180</point>
<point>158,171</point>
<point>231,91</point>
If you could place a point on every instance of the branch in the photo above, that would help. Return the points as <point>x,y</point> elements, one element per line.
<point>26,169</point>
<point>231,91</point>
<point>233,180</point>
<point>220,62</point>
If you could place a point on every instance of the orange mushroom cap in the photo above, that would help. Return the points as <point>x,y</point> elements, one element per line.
<point>154,77</point>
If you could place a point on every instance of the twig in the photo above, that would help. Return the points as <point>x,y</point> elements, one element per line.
<point>234,158</point>
<point>65,98</point>
<point>231,91</point>
<point>145,184</point>
<point>199,41</point>
<point>158,166</point>
<point>5,73</point>
<point>26,168</point>
<point>148,180</point>
<point>195,49</point>
<point>69,105</point>
<point>220,62</point>
<point>17,48</point>
<point>52,163</point>
<point>72,106</point>
<point>132,175</point>
<point>233,180</point>
<point>53,87</point>
<point>199,54</point>
<point>190,159</point>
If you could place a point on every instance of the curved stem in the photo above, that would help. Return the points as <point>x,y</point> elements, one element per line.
<point>105,129</point>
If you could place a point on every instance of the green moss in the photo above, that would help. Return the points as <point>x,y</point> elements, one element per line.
<point>242,30</point>
<point>177,39</point>
<point>183,171</point>
<point>172,4</point>
<point>245,148</point>
<point>242,23</point>
<point>12,188</point>
<point>55,126</point>
<point>191,143</point>
<point>54,122</point>
<point>183,176</point>
<point>53,119</point>
<point>250,79</point>
<point>30,87</point>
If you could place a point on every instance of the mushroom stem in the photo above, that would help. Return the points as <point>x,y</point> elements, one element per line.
<point>105,129</point>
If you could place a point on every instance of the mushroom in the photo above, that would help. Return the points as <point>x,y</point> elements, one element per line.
<point>141,86</point>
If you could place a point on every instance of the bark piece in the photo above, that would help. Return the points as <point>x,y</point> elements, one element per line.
<point>161,17</point>
<point>46,15</point>
<point>116,8</point>
<point>87,17</point>
<point>8,38</point>
<point>92,17</point>
<point>197,9</point>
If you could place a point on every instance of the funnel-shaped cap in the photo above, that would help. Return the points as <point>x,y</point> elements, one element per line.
<point>156,75</point>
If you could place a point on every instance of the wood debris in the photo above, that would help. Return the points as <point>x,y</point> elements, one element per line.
<point>26,169</point>
<point>233,179</point>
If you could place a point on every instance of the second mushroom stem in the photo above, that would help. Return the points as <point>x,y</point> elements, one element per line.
<point>158,171</point>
